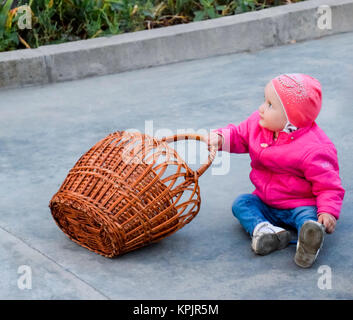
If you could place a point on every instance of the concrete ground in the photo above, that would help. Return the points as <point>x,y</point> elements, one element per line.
<point>45,129</point>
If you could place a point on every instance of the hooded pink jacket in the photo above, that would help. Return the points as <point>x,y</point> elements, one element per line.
<point>298,169</point>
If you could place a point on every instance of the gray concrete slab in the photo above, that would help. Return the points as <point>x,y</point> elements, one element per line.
<point>45,129</point>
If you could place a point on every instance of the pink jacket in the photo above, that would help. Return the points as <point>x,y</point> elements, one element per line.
<point>298,169</point>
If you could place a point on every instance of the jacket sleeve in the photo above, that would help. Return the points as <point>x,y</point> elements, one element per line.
<point>322,170</point>
<point>235,137</point>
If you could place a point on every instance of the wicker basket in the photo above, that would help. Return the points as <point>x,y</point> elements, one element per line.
<point>119,196</point>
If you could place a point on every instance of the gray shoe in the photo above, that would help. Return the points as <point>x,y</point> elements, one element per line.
<point>267,238</point>
<point>310,241</point>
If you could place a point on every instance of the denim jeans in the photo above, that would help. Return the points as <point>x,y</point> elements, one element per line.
<point>250,210</point>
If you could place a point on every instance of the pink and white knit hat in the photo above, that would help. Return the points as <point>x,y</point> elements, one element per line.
<point>300,96</point>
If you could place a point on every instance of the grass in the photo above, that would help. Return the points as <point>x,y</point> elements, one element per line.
<point>58,21</point>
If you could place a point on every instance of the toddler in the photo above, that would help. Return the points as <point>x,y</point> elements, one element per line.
<point>294,169</point>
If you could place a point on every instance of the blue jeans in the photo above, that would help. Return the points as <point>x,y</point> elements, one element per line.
<point>250,210</point>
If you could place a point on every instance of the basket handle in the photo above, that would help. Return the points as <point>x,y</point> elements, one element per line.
<point>193,136</point>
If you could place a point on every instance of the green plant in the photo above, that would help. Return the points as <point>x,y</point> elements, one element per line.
<point>210,10</point>
<point>4,11</point>
<point>245,5</point>
<point>8,35</point>
<point>57,21</point>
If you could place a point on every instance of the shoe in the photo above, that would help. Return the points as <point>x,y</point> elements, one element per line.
<point>310,241</point>
<point>267,238</point>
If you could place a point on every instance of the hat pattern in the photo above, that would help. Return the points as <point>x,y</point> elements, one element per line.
<point>300,96</point>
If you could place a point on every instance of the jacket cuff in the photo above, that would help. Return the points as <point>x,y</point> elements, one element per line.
<point>328,210</point>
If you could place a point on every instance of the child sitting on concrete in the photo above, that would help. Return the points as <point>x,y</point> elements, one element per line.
<point>294,169</point>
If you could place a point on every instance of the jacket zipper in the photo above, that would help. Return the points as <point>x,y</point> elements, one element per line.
<point>274,140</point>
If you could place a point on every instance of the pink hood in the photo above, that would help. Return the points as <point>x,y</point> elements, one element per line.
<point>298,169</point>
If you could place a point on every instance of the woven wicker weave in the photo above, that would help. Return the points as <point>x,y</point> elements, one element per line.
<point>118,197</point>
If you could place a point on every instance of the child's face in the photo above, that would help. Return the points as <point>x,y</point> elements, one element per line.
<point>271,111</point>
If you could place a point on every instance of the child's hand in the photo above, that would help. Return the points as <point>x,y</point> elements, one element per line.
<point>214,139</point>
<point>328,220</point>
